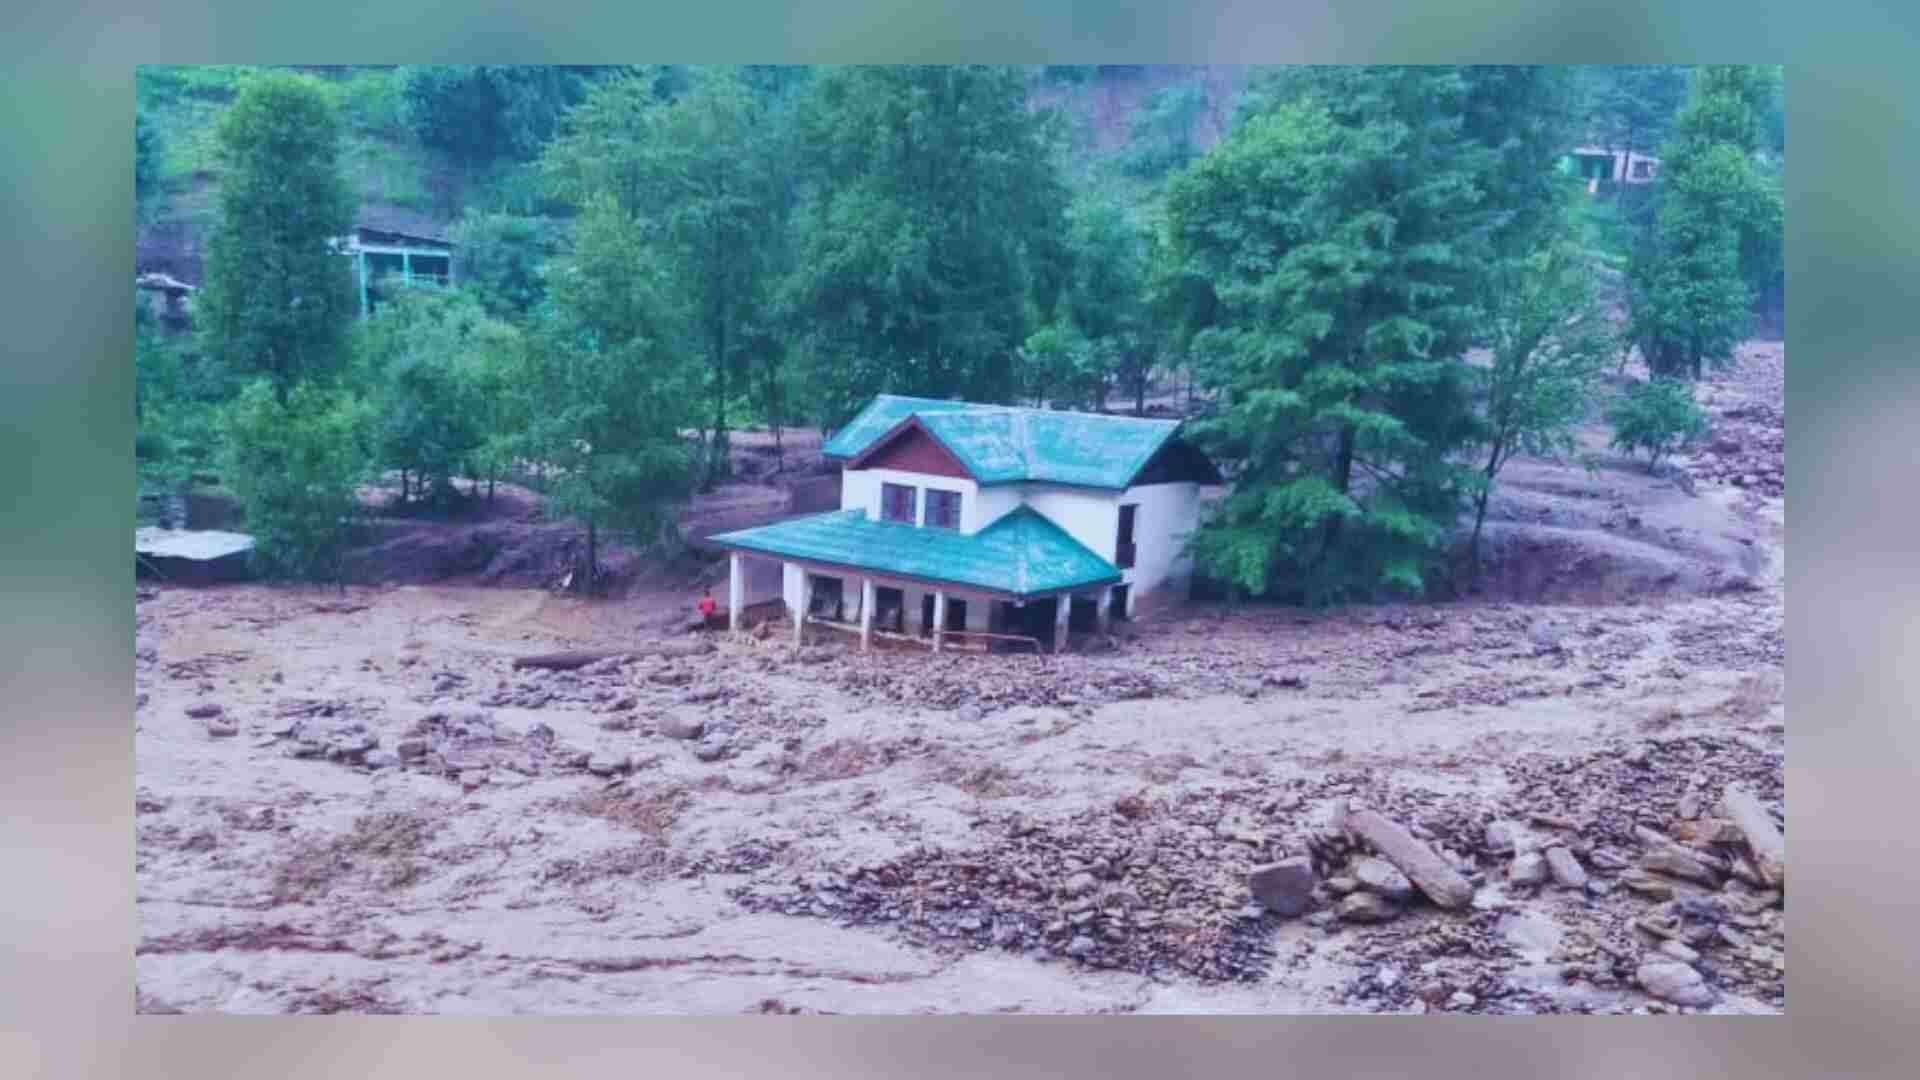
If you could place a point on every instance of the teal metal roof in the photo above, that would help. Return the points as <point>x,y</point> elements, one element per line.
<point>1022,553</point>
<point>1001,444</point>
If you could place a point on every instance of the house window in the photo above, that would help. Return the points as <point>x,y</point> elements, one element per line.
<point>943,509</point>
<point>1642,169</point>
<point>1123,550</point>
<point>896,503</point>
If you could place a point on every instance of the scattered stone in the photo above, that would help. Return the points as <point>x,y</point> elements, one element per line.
<point>1462,1000</point>
<point>1670,980</point>
<point>1678,951</point>
<point>1763,838</point>
<point>1502,837</point>
<point>1567,871</point>
<point>1379,876</point>
<point>205,710</point>
<point>1284,887</point>
<point>681,726</point>
<point>220,727</point>
<point>1366,907</point>
<point>1080,884</point>
<point>1528,868</point>
<point>411,749</point>
<point>382,759</point>
<point>605,764</point>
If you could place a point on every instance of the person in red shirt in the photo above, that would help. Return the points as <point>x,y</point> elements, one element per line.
<point>706,605</point>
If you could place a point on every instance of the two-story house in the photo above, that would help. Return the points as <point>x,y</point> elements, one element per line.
<point>960,519</point>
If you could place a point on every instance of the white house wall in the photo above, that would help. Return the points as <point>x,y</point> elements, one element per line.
<point>1168,512</point>
<point>860,490</point>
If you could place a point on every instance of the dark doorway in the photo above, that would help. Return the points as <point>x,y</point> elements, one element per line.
<point>956,614</point>
<point>1118,611</point>
<point>926,615</point>
<point>890,609</point>
<point>1084,617</point>
<point>1123,548</point>
<point>827,603</point>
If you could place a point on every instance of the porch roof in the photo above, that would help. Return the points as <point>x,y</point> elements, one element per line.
<point>1022,554</point>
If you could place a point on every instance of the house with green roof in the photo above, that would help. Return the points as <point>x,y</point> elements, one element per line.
<point>965,523</point>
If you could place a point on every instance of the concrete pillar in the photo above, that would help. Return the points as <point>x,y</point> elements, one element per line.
<point>360,260</point>
<point>1104,605</point>
<point>800,613</point>
<point>939,618</point>
<point>866,614</point>
<point>1065,611</point>
<point>736,591</point>
<point>406,267</point>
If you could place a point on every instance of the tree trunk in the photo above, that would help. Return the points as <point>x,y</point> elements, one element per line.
<point>1480,513</point>
<point>593,557</point>
<point>716,443</point>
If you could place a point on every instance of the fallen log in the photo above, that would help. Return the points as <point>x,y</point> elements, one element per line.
<point>566,661</point>
<point>1441,883</point>
<point>1769,848</point>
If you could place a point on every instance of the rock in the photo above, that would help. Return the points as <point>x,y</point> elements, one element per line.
<point>1528,868</point>
<point>1567,871</point>
<point>1502,836</point>
<point>1341,885</point>
<point>1678,951</point>
<point>967,714</point>
<point>220,727</point>
<point>605,764</point>
<point>1080,884</point>
<point>1366,907</point>
<point>1284,887</point>
<point>1462,1000</point>
<point>1769,848</point>
<point>382,759</point>
<point>474,779</point>
<point>1670,980</point>
<point>1080,946</point>
<point>1378,876</point>
<point>713,747</point>
<point>1248,688</point>
<point>681,726</point>
<point>618,722</point>
<point>814,654</point>
<point>1441,883</point>
<point>205,710</point>
<point>410,749</point>
<point>1679,863</point>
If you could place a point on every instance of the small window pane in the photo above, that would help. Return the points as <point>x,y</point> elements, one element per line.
<point>943,509</point>
<point>896,503</point>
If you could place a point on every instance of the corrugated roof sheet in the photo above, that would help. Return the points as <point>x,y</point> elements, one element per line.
<point>1022,553</point>
<point>159,543</point>
<point>1003,444</point>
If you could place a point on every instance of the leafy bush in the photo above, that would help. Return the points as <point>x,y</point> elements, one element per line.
<point>1658,416</point>
<point>294,464</point>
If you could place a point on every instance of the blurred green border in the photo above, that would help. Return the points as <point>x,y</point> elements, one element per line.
<point>65,581</point>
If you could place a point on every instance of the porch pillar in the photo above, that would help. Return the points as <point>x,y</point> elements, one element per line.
<point>736,591</point>
<point>1104,605</point>
<point>866,614</point>
<point>939,618</point>
<point>800,613</point>
<point>406,266</point>
<point>360,263</point>
<point>1064,610</point>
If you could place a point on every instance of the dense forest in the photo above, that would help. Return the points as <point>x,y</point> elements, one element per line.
<point>1368,287</point>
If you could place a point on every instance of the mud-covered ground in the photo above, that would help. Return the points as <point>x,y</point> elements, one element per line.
<point>351,801</point>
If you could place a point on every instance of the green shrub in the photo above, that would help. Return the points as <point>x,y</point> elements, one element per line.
<point>1658,416</point>
<point>294,463</point>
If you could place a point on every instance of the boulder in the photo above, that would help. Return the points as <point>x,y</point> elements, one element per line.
<point>1284,887</point>
<point>1566,870</point>
<point>205,710</point>
<point>1441,883</point>
<point>1528,868</point>
<point>1502,837</point>
<point>1671,980</point>
<point>1366,907</point>
<point>1379,877</point>
<point>220,727</point>
<point>681,726</point>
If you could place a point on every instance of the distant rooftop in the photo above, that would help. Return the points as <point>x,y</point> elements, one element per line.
<point>1004,444</point>
<point>196,544</point>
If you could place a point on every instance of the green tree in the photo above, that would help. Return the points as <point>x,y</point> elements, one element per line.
<point>606,392</point>
<point>146,164</point>
<point>1658,416</point>
<point>1341,245</point>
<point>1716,238</point>
<point>278,297</point>
<point>478,113</point>
<point>1104,298</point>
<point>1630,107</point>
<point>414,358</point>
<point>935,219</point>
<point>294,459</point>
<point>1160,132</point>
<point>501,258</point>
<point>1548,339</point>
